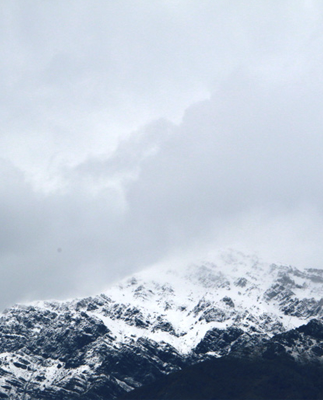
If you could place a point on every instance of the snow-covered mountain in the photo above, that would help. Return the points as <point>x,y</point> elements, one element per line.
<point>157,322</point>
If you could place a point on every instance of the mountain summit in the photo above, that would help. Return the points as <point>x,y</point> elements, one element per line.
<point>157,322</point>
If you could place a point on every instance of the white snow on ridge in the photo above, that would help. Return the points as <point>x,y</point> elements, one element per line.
<point>180,303</point>
<point>232,286</point>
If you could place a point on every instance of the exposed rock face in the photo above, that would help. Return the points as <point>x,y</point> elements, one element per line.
<point>304,344</point>
<point>158,322</point>
<point>219,341</point>
<point>69,354</point>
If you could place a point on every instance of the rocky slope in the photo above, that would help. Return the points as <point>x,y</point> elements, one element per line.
<point>285,366</point>
<point>229,378</point>
<point>157,322</point>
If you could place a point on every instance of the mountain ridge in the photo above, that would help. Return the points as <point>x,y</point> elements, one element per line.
<point>157,322</point>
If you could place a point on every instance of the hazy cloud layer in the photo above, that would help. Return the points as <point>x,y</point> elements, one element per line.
<point>101,176</point>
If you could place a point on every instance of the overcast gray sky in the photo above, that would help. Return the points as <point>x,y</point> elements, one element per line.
<point>134,132</point>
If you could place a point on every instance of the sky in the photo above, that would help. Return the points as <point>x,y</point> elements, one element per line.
<point>137,132</point>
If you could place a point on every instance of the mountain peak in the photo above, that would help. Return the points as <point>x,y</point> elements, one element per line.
<point>159,320</point>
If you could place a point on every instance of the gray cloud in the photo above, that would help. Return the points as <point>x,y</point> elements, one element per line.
<point>250,151</point>
<point>101,176</point>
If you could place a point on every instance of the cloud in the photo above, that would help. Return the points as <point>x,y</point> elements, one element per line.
<point>242,169</point>
<point>88,74</point>
<point>134,134</point>
<point>250,153</point>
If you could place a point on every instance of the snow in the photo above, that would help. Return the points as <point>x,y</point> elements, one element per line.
<point>173,294</point>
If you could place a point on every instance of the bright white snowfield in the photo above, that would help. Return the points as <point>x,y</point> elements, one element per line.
<point>180,304</point>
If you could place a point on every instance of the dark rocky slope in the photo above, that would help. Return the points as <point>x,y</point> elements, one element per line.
<point>238,379</point>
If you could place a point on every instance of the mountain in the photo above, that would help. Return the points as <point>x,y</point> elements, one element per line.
<point>157,322</point>
<point>229,378</point>
<point>286,366</point>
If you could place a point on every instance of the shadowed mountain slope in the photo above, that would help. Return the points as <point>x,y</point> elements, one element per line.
<point>237,379</point>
